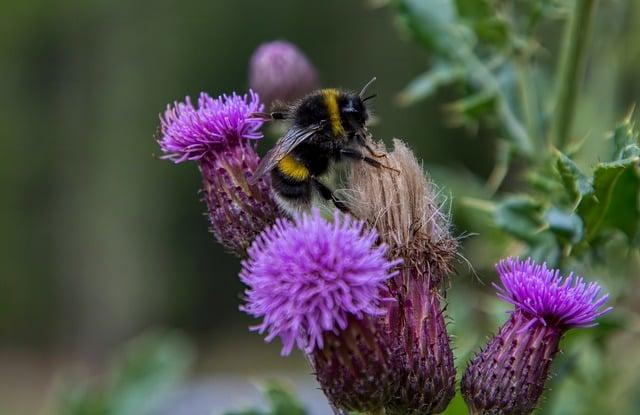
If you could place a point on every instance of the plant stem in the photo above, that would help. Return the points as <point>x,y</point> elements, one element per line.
<point>571,71</point>
<point>529,99</point>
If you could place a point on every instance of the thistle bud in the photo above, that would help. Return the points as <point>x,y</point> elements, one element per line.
<point>508,376</point>
<point>279,71</point>
<point>320,286</point>
<point>219,135</point>
<point>404,210</point>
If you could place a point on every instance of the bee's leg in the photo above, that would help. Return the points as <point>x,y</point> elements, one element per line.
<point>373,152</point>
<point>357,155</point>
<point>327,194</point>
<point>270,116</point>
<point>363,143</point>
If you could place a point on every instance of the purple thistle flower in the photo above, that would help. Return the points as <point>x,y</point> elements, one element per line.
<point>279,71</point>
<point>220,135</point>
<point>320,286</point>
<point>190,133</point>
<point>307,277</point>
<point>547,297</point>
<point>508,376</point>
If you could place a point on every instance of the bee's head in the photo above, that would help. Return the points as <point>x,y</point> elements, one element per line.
<point>354,110</point>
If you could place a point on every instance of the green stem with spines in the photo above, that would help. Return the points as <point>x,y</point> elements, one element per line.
<point>570,72</point>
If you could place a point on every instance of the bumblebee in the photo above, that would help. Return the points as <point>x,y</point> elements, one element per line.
<point>327,126</point>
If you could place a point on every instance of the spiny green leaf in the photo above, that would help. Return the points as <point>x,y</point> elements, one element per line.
<point>475,9</point>
<point>623,136</point>
<point>434,23</point>
<point>565,225</point>
<point>488,25</point>
<point>630,151</point>
<point>521,217</point>
<point>614,202</point>
<point>494,30</point>
<point>474,106</point>
<point>429,82</point>
<point>544,248</point>
<point>524,218</point>
<point>543,182</point>
<point>576,183</point>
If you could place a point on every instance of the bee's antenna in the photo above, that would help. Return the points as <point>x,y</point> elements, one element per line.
<point>369,97</point>
<point>364,88</point>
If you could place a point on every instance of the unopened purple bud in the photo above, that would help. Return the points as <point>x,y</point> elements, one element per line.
<point>219,134</point>
<point>423,361</point>
<point>319,285</point>
<point>509,375</point>
<point>279,71</point>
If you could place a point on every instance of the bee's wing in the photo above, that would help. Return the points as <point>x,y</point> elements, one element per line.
<point>284,146</point>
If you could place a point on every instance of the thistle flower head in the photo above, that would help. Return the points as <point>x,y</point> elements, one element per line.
<point>308,277</point>
<point>509,374</point>
<point>547,297</point>
<point>217,135</point>
<point>280,71</point>
<point>190,132</point>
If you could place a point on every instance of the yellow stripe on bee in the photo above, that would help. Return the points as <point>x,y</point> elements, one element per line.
<point>292,168</point>
<point>331,101</point>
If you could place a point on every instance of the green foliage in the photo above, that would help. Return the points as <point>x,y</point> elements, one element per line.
<point>520,216</point>
<point>433,24</point>
<point>575,182</point>
<point>489,48</point>
<point>575,206</point>
<point>576,216</point>
<point>614,202</point>
<point>138,377</point>
<point>470,43</point>
<point>281,402</point>
<point>429,82</point>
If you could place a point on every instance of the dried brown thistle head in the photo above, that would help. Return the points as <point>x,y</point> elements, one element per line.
<point>405,209</point>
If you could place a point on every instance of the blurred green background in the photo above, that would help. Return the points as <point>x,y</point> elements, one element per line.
<point>100,240</point>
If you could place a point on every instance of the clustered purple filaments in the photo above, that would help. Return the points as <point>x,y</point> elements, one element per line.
<point>191,133</point>
<point>374,332</point>
<point>309,276</point>
<point>547,297</point>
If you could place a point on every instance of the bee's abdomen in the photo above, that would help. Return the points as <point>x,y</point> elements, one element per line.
<point>292,192</point>
<point>293,169</point>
